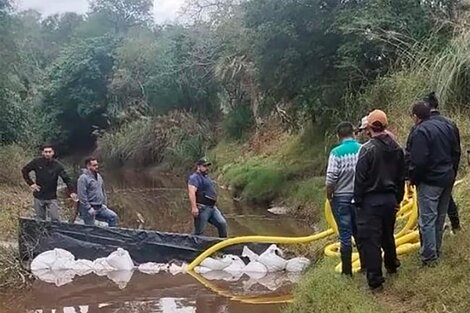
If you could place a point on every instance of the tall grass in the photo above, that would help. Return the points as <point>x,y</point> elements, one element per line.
<point>13,158</point>
<point>177,138</point>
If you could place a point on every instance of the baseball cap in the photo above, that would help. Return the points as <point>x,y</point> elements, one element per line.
<point>203,161</point>
<point>377,118</point>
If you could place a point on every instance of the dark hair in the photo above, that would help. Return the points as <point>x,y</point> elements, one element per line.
<point>345,129</point>
<point>422,110</point>
<point>377,127</point>
<point>46,146</point>
<point>431,100</point>
<point>89,159</point>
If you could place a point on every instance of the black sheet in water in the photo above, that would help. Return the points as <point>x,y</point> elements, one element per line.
<point>90,242</point>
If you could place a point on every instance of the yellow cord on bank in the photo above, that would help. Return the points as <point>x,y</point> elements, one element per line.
<point>407,239</point>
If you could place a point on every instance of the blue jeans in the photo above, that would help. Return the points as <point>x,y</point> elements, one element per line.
<point>345,216</point>
<point>211,215</point>
<point>433,203</point>
<point>102,213</point>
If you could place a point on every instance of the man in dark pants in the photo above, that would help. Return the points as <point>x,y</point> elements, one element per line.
<point>378,191</point>
<point>434,158</point>
<point>203,199</point>
<point>47,171</point>
<point>340,188</point>
<point>433,103</point>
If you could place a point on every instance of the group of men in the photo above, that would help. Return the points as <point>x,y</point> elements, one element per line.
<point>366,183</point>
<point>90,193</point>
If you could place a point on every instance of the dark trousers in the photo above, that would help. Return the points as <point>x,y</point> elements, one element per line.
<point>376,223</point>
<point>453,214</point>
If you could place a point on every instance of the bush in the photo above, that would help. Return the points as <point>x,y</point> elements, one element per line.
<point>239,122</point>
<point>13,157</point>
<point>177,138</point>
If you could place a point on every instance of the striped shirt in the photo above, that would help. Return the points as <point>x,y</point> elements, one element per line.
<point>342,166</point>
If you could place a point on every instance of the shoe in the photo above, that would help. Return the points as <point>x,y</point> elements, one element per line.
<point>377,289</point>
<point>430,264</point>
<point>392,271</point>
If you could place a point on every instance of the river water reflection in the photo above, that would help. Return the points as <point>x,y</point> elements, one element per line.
<point>161,203</point>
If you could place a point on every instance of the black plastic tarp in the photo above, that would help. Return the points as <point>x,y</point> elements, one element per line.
<point>91,242</point>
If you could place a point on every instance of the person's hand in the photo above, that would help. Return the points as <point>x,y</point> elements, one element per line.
<point>92,212</point>
<point>74,197</point>
<point>195,212</point>
<point>35,188</point>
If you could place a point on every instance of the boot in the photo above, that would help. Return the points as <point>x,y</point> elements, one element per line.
<point>346,264</point>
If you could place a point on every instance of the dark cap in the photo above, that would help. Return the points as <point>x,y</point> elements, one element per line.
<point>203,161</point>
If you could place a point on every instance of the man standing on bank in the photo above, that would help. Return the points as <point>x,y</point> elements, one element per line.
<point>340,190</point>
<point>378,191</point>
<point>47,171</point>
<point>92,196</point>
<point>433,103</point>
<point>434,159</point>
<point>203,198</point>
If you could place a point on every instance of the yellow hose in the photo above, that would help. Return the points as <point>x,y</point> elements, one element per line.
<point>407,239</point>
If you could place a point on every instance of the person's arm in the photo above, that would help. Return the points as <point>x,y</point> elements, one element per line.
<point>66,178</point>
<point>419,155</point>
<point>82,193</point>
<point>407,155</point>
<point>105,196</point>
<point>456,149</point>
<point>362,171</point>
<point>193,185</point>
<point>28,168</point>
<point>332,175</point>
<point>400,179</point>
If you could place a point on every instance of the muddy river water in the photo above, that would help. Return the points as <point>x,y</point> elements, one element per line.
<point>161,203</point>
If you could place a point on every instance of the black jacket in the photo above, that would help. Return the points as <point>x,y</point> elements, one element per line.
<point>380,169</point>
<point>434,153</point>
<point>436,115</point>
<point>47,173</point>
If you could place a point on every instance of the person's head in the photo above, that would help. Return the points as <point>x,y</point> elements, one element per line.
<point>345,130</point>
<point>91,164</point>
<point>420,112</point>
<point>377,122</point>
<point>202,166</point>
<point>432,101</point>
<point>47,151</point>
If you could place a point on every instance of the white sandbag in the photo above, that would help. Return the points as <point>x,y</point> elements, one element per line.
<point>217,275</point>
<point>58,278</point>
<point>120,278</point>
<point>153,268</point>
<point>255,267</point>
<point>82,267</point>
<point>53,258</point>
<point>247,253</point>
<point>202,270</point>
<point>256,275</point>
<point>233,276</point>
<point>120,260</point>
<point>101,267</point>
<point>272,281</point>
<point>297,264</point>
<point>271,259</point>
<point>175,269</point>
<point>237,265</point>
<point>216,264</point>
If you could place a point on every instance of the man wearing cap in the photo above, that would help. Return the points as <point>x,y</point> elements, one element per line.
<point>203,199</point>
<point>433,161</point>
<point>378,191</point>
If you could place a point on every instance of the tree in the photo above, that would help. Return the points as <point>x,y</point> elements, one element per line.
<point>76,97</point>
<point>123,14</point>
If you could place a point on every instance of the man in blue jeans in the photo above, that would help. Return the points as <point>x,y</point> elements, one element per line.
<point>434,156</point>
<point>92,196</point>
<point>203,199</point>
<point>340,189</point>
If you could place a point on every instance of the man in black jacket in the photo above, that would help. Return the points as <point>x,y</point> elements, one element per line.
<point>378,191</point>
<point>47,171</point>
<point>433,103</point>
<point>434,160</point>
